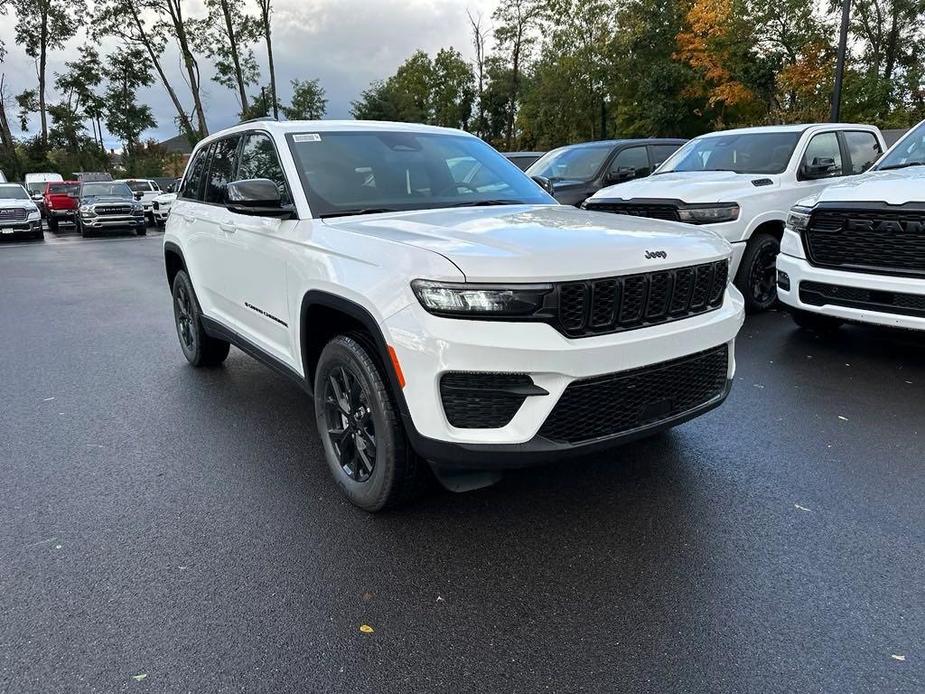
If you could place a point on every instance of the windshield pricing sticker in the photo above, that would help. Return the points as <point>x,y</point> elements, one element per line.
<point>310,137</point>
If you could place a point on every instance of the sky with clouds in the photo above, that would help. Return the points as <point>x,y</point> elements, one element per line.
<point>344,43</point>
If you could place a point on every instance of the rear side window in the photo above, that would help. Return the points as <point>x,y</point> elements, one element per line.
<point>863,150</point>
<point>192,185</point>
<point>660,153</point>
<point>632,159</point>
<point>221,169</point>
<point>259,160</point>
<point>822,147</point>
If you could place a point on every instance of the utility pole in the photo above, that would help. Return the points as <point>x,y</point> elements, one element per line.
<point>840,62</point>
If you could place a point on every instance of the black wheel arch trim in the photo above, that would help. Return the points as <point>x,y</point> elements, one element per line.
<point>318,297</point>
<point>171,247</point>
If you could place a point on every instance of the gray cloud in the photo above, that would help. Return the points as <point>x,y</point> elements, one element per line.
<point>344,43</point>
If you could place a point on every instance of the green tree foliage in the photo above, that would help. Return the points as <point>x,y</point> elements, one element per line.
<point>126,71</point>
<point>308,101</point>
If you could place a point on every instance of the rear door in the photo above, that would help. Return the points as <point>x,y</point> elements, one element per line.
<point>256,251</point>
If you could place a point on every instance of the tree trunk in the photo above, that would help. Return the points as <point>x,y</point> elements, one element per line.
<point>233,45</point>
<point>189,62</point>
<point>43,50</point>
<point>266,33</point>
<point>186,126</point>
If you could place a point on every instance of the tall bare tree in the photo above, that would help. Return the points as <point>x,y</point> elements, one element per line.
<point>266,12</point>
<point>225,36</point>
<point>515,22</point>
<point>479,39</point>
<point>44,26</point>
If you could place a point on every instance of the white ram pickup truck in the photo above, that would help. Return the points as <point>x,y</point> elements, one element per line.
<point>742,183</point>
<point>469,324</point>
<point>856,250</point>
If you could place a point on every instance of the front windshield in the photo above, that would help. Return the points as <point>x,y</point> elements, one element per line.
<point>910,151</point>
<point>36,187</point>
<point>139,186</point>
<point>571,163</point>
<point>380,171</point>
<point>108,189</point>
<point>63,188</point>
<point>13,192</point>
<point>745,153</point>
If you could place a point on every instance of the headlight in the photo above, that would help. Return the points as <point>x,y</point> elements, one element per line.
<point>709,214</point>
<point>479,300</point>
<point>87,211</point>
<point>35,214</point>
<point>798,220</point>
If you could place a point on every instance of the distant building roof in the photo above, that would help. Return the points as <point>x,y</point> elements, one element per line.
<point>178,144</point>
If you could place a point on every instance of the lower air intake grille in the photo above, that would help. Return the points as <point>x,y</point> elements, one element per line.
<point>618,403</point>
<point>820,294</point>
<point>482,400</point>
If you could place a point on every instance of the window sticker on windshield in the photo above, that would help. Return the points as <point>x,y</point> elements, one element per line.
<point>310,137</point>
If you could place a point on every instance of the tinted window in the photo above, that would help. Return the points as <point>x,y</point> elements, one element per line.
<point>749,153</point>
<point>221,169</point>
<point>258,160</point>
<point>191,187</point>
<point>910,151</point>
<point>824,146</point>
<point>139,186</point>
<point>349,172</point>
<point>660,153</point>
<point>63,188</point>
<point>571,163</point>
<point>632,159</point>
<point>863,150</point>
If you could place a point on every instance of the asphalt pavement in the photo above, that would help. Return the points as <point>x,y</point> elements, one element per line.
<point>167,529</point>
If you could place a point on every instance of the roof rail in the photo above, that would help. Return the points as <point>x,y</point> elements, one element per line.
<point>257,120</point>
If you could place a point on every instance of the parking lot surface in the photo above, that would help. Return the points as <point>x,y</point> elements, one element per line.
<point>168,529</point>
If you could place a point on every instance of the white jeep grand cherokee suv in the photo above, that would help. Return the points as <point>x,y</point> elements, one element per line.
<point>856,251</point>
<point>473,325</point>
<point>742,183</point>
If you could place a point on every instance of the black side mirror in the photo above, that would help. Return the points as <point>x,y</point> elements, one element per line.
<point>258,197</point>
<point>820,167</point>
<point>137,196</point>
<point>545,184</point>
<point>623,173</point>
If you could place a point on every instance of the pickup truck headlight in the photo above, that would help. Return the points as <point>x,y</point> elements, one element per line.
<point>35,214</point>
<point>798,219</point>
<point>458,299</point>
<point>709,214</point>
<point>87,211</point>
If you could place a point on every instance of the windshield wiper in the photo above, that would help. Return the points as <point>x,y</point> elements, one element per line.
<point>362,210</point>
<point>485,203</point>
<point>902,166</point>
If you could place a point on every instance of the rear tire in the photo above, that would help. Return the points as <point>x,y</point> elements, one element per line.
<point>815,322</point>
<point>361,431</point>
<point>757,274</point>
<point>199,348</point>
<point>53,225</point>
<point>141,231</point>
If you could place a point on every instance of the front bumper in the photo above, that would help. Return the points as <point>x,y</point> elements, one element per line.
<point>883,287</point>
<point>114,222</point>
<point>160,213</point>
<point>427,347</point>
<point>17,228</point>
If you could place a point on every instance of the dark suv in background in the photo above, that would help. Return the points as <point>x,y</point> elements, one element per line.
<point>576,172</point>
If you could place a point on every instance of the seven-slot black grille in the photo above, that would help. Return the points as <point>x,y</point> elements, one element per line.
<point>820,294</point>
<point>482,400</point>
<point>12,214</point>
<point>637,209</point>
<point>867,240</point>
<point>619,403</point>
<point>615,304</point>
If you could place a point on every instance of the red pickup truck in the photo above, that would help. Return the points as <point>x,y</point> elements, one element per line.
<point>61,199</point>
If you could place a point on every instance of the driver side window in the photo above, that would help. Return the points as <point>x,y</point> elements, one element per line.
<point>258,159</point>
<point>823,149</point>
<point>632,162</point>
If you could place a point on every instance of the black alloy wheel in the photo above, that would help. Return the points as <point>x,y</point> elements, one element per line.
<point>183,311</point>
<point>757,275</point>
<point>350,426</point>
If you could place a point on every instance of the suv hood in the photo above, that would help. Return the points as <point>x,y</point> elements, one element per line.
<point>528,243</point>
<point>9,204</point>
<point>893,187</point>
<point>691,186</point>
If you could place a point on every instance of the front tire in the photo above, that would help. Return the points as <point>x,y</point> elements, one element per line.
<point>815,322</point>
<point>52,225</point>
<point>757,275</point>
<point>141,231</point>
<point>199,348</point>
<point>360,428</point>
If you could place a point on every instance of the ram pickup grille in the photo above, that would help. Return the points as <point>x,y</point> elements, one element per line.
<point>614,304</point>
<point>12,214</point>
<point>113,210</point>
<point>635,209</point>
<point>876,241</point>
<point>483,400</point>
<point>606,406</point>
<point>820,294</point>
